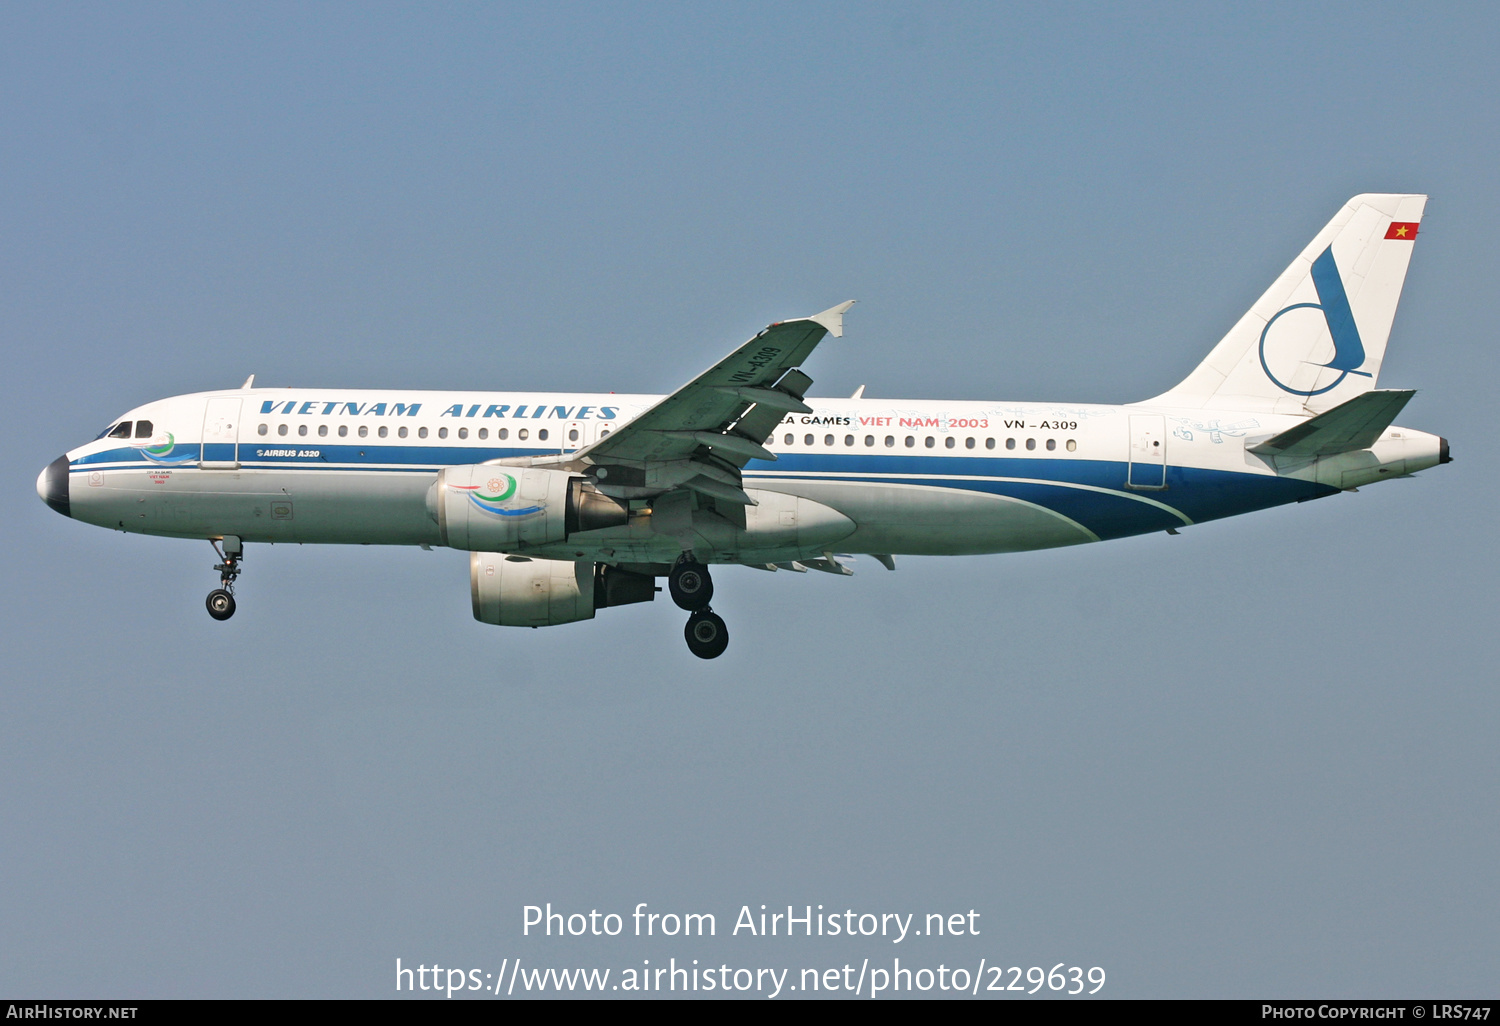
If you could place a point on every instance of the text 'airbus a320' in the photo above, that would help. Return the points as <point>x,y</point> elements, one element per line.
<point>571,503</point>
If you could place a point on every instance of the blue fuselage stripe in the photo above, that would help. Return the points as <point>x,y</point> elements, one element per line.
<point>1067,486</point>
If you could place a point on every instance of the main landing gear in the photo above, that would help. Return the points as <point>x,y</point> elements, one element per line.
<point>220,601</point>
<point>692,588</point>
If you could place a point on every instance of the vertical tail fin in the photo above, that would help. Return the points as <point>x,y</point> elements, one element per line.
<point>1317,336</point>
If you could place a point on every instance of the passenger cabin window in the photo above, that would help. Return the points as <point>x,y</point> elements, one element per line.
<point>384,431</point>
<point>322,430</point>
<point>364,430</point>
<point>122,430</point>
<point>1010,443</point>
<point>989,443</point>
<point>521,434</point>
<point>143,429</point>
<point>542,434</point>
<point>462,432</point>
<point>807,440</point>
<point>787,440</point>
<point>484,432</point>
<point>931,441</point>
<point>343,430</point>
<point>442,432</point>
<point>572,434</point>
<point>401,432</point>
<point>969,442</point>
<point>1030,443</point>
<point>502,434</point>
<point>281,429</point>
<point>1072,445</point>
<point>262,429</point>
<point>302,430</point>
<point>910,442</point>
<point>421,432</point>
<point>950,442</point>
<point>869,441</point>
<point>890,441</point>
<point>1051,444</point>
<point>828,440</point>
<point>849,440</point>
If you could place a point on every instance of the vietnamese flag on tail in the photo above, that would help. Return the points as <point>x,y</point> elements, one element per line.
<point>1402,230</point>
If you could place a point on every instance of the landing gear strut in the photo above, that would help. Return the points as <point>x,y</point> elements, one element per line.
<point>220,601</point>
<point>692,589</point>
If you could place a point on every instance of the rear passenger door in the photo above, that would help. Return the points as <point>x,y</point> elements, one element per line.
<point>1148,452</point>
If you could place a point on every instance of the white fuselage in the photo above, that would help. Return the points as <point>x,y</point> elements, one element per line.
<point>911,476</point>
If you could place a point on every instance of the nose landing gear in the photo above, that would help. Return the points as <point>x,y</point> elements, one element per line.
<point>220,601</point>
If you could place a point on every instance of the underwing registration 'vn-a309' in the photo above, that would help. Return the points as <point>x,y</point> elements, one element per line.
<point>571,503</point>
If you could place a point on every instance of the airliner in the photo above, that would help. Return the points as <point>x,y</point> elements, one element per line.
<point>569,503</point>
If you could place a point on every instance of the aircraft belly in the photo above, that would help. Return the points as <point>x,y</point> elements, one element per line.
<point>935,520</point>
<point>367,507</point>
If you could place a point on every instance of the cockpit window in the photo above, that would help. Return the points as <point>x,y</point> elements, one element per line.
<point>122,430</point>
<point>104,432</point>
<point>143,429</point>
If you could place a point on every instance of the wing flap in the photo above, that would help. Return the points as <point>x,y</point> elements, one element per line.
<point>760,421</point>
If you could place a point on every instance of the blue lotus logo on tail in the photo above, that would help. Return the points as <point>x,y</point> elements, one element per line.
<point>1348,350</point>
<point>496,497</point>
<point>164,453</point>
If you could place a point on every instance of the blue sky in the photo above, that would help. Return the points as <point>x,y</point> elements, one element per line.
<point>1255,759</point>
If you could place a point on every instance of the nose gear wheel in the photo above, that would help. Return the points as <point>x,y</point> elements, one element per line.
<point>220,604</point>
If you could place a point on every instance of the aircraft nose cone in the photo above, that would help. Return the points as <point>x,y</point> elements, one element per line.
<point>52,486</point>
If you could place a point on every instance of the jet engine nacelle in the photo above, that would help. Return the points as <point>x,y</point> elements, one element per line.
<point>516,591</point>
<point>484,507</point>
<point>513,591</point>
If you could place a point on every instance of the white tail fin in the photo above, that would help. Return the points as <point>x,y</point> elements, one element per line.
<point>1317,337</point>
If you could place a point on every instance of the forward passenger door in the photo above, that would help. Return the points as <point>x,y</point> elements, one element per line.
<point>221,433</point>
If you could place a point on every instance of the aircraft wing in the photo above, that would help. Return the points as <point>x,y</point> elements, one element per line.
<point>1352,425</point>
<point>721,419</point>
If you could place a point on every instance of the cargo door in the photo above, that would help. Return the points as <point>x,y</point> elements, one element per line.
<point>221,432</point>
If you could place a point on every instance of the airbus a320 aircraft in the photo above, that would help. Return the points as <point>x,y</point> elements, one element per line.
<point>571,503</point>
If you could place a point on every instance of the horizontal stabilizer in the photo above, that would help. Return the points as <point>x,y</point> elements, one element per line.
<point>1348,427</point>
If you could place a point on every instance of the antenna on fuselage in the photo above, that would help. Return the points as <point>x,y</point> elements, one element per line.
<point>858,392</point>
<point>249,382</point>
